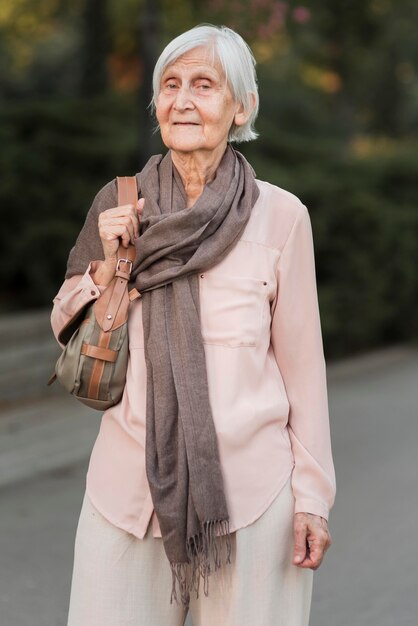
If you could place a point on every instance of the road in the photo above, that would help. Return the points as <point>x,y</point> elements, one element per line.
<point>370,574</point>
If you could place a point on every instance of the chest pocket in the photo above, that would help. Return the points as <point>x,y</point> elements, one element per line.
<point>234,310</point>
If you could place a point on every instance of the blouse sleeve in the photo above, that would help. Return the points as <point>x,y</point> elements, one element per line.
<point>74,295</point>
<point>297,343</point>
<point>79,288</point>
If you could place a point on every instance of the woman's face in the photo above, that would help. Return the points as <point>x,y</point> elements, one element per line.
<point>195,107</point>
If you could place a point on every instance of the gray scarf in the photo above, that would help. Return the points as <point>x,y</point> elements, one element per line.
<point>176,243</point>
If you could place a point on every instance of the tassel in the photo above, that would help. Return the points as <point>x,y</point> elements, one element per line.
<point>201,549</point>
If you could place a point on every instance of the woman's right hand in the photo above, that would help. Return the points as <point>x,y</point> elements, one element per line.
<point>120,224</point>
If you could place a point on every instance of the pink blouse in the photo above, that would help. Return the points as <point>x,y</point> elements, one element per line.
<point>266,374</point>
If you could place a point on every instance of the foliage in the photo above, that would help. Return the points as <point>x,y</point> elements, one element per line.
<point>338,127</point>
<point>54,157</point>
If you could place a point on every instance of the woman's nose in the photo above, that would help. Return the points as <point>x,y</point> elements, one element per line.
<point>183,99</point>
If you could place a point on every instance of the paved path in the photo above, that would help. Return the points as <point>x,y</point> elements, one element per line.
<point>370,575</point>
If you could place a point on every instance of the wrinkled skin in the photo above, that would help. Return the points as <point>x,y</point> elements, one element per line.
<point>311,540</point>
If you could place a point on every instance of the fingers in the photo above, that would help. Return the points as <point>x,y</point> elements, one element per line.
<point>120,219</point>
<point>120,223</point>
<point>300,541</point>
<point>312,539</point>
<point>140,206</point>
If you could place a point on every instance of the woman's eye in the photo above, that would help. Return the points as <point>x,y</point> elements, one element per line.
<point>203,86</point>
<point>170,85</point>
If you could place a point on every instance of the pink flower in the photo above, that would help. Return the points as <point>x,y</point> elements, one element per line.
<point>280,8</point>
<point>301,15</point>
<point>276,21</point>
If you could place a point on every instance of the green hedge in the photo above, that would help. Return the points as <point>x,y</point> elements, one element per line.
<point>54,157</point>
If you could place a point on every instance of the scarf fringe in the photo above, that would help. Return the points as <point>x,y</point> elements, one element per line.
<point>203,550</point>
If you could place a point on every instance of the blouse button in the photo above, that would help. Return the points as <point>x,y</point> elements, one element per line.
<point>93,293</point>
<point>202,275</point>
<point>264,282</point>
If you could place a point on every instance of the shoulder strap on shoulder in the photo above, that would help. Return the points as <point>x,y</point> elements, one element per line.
<point>127,190</point>
<point>127,194</point>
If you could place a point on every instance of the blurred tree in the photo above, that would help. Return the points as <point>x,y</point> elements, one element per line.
<point>150,42</point>
<point>338,127</point>
<point>371,48</point>
<point>95,48</point>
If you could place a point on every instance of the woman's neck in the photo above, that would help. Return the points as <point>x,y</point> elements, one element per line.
<point>196,169</point>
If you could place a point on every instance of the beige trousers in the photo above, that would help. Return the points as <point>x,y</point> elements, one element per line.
<point>119,580</point>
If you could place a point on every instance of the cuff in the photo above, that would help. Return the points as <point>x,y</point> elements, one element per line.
<point>315,507</point>
<point>87,283</point>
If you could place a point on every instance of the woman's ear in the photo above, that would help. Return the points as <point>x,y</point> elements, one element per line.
<point>241,116</point>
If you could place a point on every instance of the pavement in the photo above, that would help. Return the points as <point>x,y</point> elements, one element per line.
<point>369,576</point>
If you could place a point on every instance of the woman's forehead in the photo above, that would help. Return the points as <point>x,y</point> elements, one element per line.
<point>200,58</point>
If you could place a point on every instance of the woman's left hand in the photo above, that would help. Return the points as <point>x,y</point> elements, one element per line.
<point>311,540</point>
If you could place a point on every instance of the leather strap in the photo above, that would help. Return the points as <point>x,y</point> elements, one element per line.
<point>118,301</point>
<point>111,309</point>
<point>127,194</point>
<point>127,190</point>
<point>104,354</point>
<point>98,368</point>
<point>134,294</point>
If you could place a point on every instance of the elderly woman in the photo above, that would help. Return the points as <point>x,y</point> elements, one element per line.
<point>216,465</point>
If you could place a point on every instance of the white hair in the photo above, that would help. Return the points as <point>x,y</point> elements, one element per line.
<point>237,62</point>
